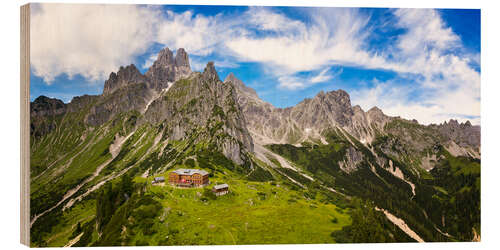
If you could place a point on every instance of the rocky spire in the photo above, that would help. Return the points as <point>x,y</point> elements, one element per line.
<point>167,68</point>
<point>462,133</point>
<point>165,57</point>
<point>162,71</point>
<point>210,74</point>
<point>182,68</point>
<point>181,58</point>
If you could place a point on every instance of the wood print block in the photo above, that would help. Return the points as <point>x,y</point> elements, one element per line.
<point>239,125</point>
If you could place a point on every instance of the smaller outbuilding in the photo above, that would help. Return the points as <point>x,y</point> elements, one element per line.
<point>160,179</point>
<point>220,189</point>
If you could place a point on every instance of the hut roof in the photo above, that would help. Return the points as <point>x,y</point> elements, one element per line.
<point>183,171</point>
<point>221,186</point>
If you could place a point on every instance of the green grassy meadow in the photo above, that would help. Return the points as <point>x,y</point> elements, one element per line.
<point>252,213</point>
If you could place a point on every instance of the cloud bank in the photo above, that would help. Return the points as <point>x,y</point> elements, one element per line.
<point>90,40</point>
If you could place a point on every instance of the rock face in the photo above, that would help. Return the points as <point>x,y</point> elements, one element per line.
<point>324,110</point>
<point>464,134</point>
<point>182,68</point>
<point>210,74</point>
<point>204,106</point>
<point>128,89</point>
<point>351,161</point>
<point>311,118</point>
<point>307,120</point>
<point>167,69</point>
<point>125,76</point>
<point>131,97</point>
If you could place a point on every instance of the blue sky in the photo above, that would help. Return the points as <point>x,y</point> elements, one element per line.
<point>420,64</point>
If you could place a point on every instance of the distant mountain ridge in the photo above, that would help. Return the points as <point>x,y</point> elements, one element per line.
<point>311,116</point>
<point>262,123</point>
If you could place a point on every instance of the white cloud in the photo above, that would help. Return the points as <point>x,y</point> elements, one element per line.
<point>322,76</point>
<point>126,31</point>
<point>149,62</point>
<point>296,82</point>
<point>425,29</point>
<point>90,40</point>
<point>334,36</point>
<point>446,84</point>
<point>198,34</point>
<point>291,82</point>
<point>265,19</point>
<point>432,105</point>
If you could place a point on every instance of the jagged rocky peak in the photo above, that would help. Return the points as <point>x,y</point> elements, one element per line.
<point>204,104</point>
<point>165,57</point>
<point>338,97</point>
<point>464,134</point>
<point>357,109</point>
<point>125,75</point>
<point>240,85</point>
<point>375,110</point>
<point>232,78</point>
<point>209,73</point>
<point>376,116</point>
<point>333,107</point>
<point>376,113</point>
<point>181,58</point>
<point>167,68</point>
<point>455,123</point>
<point>182,68</point>
<point>182,64</point>
<point>162,71</point>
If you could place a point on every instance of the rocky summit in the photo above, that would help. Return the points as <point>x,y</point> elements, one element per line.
<point>325,160</point>
<point>167,69</point>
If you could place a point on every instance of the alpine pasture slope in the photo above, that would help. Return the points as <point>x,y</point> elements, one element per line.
<point>322,171</point>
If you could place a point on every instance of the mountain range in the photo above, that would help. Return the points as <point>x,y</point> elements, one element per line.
<point>392,178</point>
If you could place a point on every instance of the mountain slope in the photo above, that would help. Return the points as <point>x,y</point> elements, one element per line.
<point>92,161</point>
<point>388,160</point>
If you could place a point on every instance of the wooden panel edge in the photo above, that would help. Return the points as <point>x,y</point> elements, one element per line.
<point>25,121</point>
